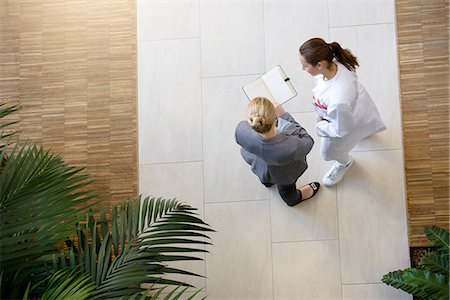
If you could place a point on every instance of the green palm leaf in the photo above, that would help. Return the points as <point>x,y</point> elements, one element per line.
<point>40,201</point>
<point>144,237</point>
<point>69,284</point>
<point>436,285</point>
<point>437,263</point>
<point>43,203</point>
<point>439,236</point>
<point>396,280</point>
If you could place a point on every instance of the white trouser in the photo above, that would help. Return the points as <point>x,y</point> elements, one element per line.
<point>335,148</point>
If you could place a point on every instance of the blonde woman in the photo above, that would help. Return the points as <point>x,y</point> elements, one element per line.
<point>275,146</point>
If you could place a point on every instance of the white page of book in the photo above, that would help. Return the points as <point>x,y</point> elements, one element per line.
<point>257,88</point>
<point>280,89</point>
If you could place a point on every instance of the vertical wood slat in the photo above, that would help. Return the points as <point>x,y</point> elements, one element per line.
<point>423,40</point>
<point>70,64</point>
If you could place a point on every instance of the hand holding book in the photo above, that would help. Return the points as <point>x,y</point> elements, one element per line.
<point>273,85</point>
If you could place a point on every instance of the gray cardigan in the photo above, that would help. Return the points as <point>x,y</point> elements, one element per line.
<point>280,159</point>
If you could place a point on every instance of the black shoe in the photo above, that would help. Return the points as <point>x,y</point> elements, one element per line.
<point>315,186</point>
<point>267,184</point>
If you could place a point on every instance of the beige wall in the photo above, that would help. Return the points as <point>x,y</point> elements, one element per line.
<point>70,64</point>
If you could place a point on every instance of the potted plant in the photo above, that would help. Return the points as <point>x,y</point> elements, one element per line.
<point>54,244</point>
<point>431,282</point>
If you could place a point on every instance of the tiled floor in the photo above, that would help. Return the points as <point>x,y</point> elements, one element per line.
<point>193,58</point>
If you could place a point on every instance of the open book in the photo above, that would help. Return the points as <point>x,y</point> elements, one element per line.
<point>274,85</point>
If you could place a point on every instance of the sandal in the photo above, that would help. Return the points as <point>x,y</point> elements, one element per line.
<point>315,187</point>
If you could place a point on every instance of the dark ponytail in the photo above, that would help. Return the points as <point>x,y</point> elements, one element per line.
<point>316,50</point>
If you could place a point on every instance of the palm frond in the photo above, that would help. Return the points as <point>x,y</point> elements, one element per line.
<point>436,285</point>
<point>439,236</point>
<point>5,111</point>
<point>396,280</point>
<point>435,262</point>
<point>69,284</point>
<point>144,237</point>
<point>40,202</point>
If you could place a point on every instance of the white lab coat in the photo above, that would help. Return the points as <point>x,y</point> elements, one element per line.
<point>348,111</point>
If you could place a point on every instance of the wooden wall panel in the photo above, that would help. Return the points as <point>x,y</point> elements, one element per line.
<point>71,65</point>
<point>423,45</point>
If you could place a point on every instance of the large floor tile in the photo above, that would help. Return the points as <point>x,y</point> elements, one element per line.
<point>227,175</point>
<point>373,292</point>
<point>183,181</point>
<point>232,37</point>
<point>315,219</point>
<point>288,24</point>
<point>169,91</point>
<point>239,266</point>
<point>158,20</point>
<point>361,12</point>
<point>374,45</point>
<point>306,270</point>
<point>372,217</point>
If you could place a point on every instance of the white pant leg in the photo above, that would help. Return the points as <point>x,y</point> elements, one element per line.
<point>335,149</point>
<point>338,148</point>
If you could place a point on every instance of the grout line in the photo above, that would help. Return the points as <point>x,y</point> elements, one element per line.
<point>339,238</point>
<point>361,25</point>
<point>171,162</point>
<point>233,75</point>
<point>364,283</point>
<point>203,134</point>
<point>237,201</point>
<point>169,39</point>
<point>306,241</point>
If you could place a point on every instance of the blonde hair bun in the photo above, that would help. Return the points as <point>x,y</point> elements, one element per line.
<point>257,121</point>
<point>261,114</point>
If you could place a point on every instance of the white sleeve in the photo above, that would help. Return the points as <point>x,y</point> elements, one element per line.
<point>340,122</point>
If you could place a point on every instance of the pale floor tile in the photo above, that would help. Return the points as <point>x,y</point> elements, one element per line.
<point>167,20</point>
<point>288,24</point>
<point>232,37</point>
<point>239,266</point>
<point>197,267</point>
<point>374,45</point>
<point>306,270</point>
<point>373,292</point>
<point>346,13</point>
<point>169,91</point>
<point>372,217</point>
<point>183,181</point>
<point>316,218</point>
<point>227,176</point>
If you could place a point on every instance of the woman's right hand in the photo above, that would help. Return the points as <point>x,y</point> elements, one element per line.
<point>280,110</point>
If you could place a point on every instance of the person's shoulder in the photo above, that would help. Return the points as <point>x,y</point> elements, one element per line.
<point>345,73</point>
<point>242,127</point>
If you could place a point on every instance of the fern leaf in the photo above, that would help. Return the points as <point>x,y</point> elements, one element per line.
<point>396,280</point>
<point>436,285</point>
<point>437,263</point>
<point>439,236</point>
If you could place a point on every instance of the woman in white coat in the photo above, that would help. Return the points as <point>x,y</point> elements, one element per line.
<point>345,112</point>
